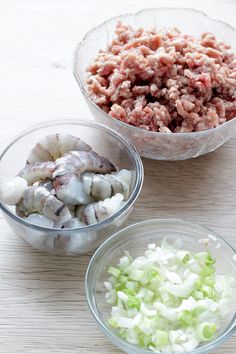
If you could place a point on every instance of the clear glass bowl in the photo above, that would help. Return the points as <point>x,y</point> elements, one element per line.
<point>159,146</point>
<point>135,239</point>
<point>104,141</point>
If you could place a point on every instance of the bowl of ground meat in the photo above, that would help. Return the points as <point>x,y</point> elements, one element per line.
<point>165,78</point>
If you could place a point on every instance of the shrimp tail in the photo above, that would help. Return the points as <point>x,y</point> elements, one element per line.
<point>40,200</point>
<point>95,212</point>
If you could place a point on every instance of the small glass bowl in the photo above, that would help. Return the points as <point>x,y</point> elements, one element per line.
<point>103,140</point>
<point>155,145</point>
<point>135,239</point>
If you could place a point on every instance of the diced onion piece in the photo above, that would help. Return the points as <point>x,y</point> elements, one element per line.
<point>184,289</point>
<point>136,274</point>
<point>114,271</point>
<point>162,338</point>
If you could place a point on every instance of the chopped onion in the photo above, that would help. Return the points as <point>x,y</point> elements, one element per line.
<point>169,300</point>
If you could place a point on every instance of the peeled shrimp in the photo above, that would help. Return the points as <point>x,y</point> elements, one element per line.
<point>39,200</point>
<point>47,183</point>
<point>95,212</point>
<point>40,220</point>
<point>80,161</point>
<point>73,223</point>
<point>67,182</point>
<point>37,171</point>
<point>69,188</point>
<point>101,187</point>
<point>54,146</point>
<point>11,191</point>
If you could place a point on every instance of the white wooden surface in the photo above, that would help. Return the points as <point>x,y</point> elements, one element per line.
<point>42,302</point>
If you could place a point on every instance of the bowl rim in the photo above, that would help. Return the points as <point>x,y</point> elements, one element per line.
<point>139,169</point>
<point>122,124</point>
<point>121,233</point>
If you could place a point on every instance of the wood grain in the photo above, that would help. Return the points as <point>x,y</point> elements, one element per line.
<point>42,300</point>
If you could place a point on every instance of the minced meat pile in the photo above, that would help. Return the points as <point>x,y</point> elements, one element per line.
<point>165,81</point>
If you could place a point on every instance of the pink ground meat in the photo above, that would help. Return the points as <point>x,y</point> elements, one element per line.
<point>165,81</point>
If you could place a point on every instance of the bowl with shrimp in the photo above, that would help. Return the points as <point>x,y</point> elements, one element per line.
<point>66,185</point>
<point>162,77</point>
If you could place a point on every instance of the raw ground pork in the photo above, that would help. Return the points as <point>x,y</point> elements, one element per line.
<point>165,81</point>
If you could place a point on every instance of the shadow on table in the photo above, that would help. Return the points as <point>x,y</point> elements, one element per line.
<point>184,178</point>
<point>190,189</point>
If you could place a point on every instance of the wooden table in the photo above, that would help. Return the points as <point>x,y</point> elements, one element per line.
<point>42,300</point>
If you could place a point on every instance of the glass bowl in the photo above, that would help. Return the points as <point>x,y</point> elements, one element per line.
<point>135,239</point>
<point>159,146</point>
<point>103,140</point>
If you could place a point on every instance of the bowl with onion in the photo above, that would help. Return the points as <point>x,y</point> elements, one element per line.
<point>164,286</point>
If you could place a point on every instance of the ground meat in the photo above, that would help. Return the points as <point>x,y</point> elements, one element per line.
<point>165,81</point>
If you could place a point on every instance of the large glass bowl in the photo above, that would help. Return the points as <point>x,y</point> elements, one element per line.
<point>105,142</point>
<point>135,239</point>
<point>160,146</point>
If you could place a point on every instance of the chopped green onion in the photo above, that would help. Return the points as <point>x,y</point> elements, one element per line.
<point>209,281</point>
<point>123,279</point>
<point>114,271</point>
<point>144,340</point>
<point>149,296</point>
<point>183,256</point>
<point>112,323</point>
<point>205,331</point>
<point>129,292</point>
<point>162,339</point>
<point>207,271</point>
<point>185,318</point>
<point>204,258</point>
<point>198,295</point>
<point>132,285</point>
<point>136,274</point>
<point>207,291</point>
<point>152,273</point>
<point>133,302</point>
<point>118,286</point>
<point>167,300</point>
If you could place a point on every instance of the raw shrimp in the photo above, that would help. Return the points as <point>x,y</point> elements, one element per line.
<point>40,220</point>
<point>67,182</point>
<point>69,188</point>
<point>72,210</point>
<point>54,146</point>
<point>95,212</point>
<point>80,161</point>
<point>37,171</point>
<point>73,223</point>
<point>39,200</point>
<point>11,191</point>
<point>48,184</point>
<point>101,187</point>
